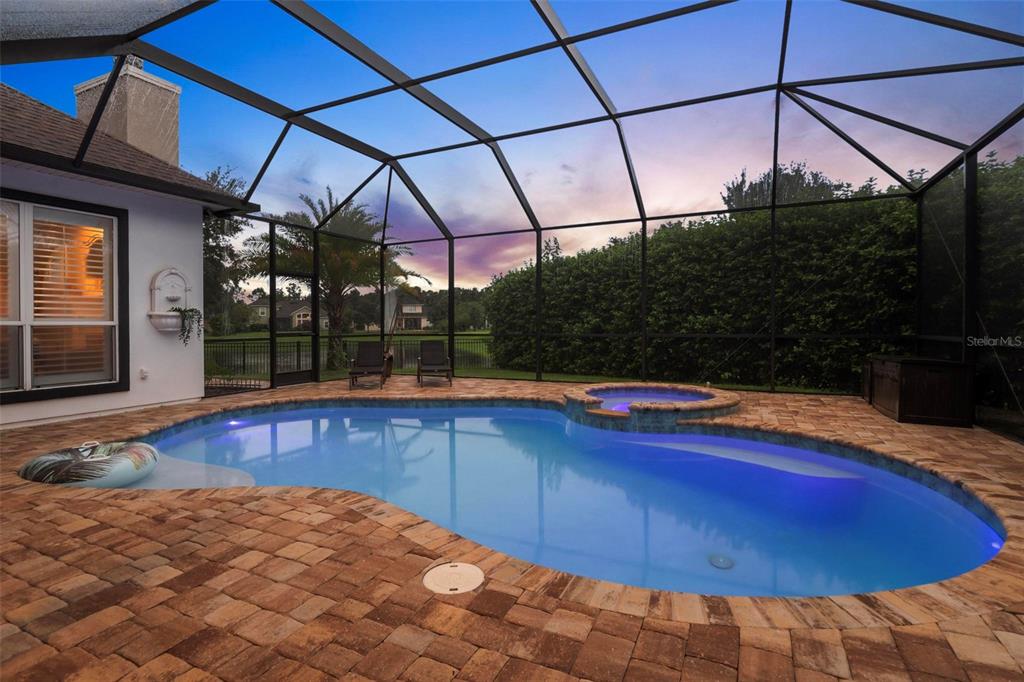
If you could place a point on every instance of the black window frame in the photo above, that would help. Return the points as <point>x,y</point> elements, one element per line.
<point>122,319</point>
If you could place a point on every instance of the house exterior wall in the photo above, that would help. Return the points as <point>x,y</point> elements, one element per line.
<point>412,322</point>
<point>162,232</point>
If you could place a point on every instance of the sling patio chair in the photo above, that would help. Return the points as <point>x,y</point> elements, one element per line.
<point>368,362</point>
<point>433,361</point>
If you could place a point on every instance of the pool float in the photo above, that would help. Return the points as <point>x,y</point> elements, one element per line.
<point>93,464</point>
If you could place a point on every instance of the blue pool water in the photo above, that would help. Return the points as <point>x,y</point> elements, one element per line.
<point>642,509</point>
<point>620,399</point>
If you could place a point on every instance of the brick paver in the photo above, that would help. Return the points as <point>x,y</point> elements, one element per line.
<point>304,583</point>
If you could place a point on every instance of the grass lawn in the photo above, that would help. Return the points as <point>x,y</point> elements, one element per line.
<point>239,336</point>
<point>522,374</point>
<point>779,388</point>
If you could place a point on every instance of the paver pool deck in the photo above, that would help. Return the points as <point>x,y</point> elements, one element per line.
<point>307,583</point>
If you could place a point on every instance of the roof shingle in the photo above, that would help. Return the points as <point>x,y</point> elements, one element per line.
<point>33,132</point>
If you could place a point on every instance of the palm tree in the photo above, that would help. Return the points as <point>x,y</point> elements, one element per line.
<point>346,265</point>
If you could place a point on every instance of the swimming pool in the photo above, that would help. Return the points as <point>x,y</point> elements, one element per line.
<point>698,513</point>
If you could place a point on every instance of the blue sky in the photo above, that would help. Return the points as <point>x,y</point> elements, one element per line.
<point>682,156</point>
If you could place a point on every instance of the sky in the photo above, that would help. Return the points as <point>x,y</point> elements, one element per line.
<point>682,156</point>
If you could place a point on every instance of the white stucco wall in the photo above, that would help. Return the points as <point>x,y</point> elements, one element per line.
<point>163,232</point>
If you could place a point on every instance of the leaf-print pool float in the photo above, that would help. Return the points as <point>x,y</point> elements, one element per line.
<point>94,465</point>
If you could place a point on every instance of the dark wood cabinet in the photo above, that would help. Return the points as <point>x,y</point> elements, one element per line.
<point>920,390</point>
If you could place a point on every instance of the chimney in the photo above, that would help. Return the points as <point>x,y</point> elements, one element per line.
<point>142,111</point>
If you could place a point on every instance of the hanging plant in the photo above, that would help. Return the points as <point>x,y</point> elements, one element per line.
<point>191,322</point>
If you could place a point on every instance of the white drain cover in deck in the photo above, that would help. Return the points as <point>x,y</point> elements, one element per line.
<point>453,578</point>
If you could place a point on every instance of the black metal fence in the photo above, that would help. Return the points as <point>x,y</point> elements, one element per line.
<point>244,364</point>
<point>472,351</point>
<point>238,358</point>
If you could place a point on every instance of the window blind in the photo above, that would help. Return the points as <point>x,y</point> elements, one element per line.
<point>9,260</point>
<point>65,355</point>
<point>70,266</point>
<point>10,358</point>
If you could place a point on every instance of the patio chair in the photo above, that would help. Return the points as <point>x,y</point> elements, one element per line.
<point>433,361</point>
<point>368,362</point>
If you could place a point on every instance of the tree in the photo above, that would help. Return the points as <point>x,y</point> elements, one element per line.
<point>470,313</point>
<point>551,250</point>
<point>346,265</point>
<point>222,269</point>
<point>470,316</point>
<point>363,310</point>
<point>796,183</point>
<point>845,270</point>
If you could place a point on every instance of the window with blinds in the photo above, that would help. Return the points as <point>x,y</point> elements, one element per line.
<point>10,358</point>
<point>71,355</point>
<point>70,266</point>
<point>57,298</point>
<point>10,329</point>
<point>9,223</point>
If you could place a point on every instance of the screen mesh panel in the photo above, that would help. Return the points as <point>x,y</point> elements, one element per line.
<point>706,192</point>
<point>942,259</point>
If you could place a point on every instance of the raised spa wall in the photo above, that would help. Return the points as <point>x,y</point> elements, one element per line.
<point>583,405</point>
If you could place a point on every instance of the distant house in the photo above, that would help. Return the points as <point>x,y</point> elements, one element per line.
<point>295,315</point>
<point>405,309</point>
<point>291,315</point>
